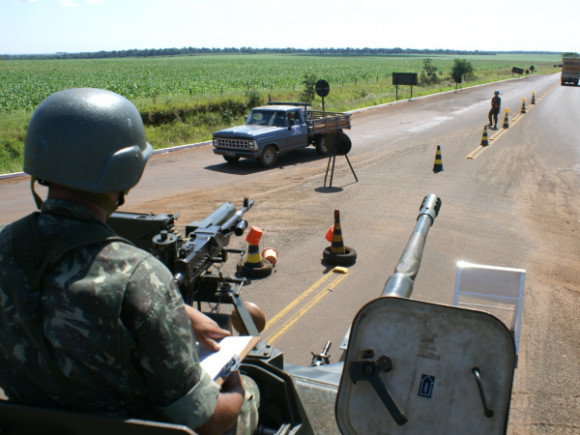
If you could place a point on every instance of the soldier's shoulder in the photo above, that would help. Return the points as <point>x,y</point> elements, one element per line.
<point>127,252</point>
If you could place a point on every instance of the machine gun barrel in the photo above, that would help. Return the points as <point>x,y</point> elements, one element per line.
<point>236,222</point>
<point>216,218</point>
<point>401,282</point>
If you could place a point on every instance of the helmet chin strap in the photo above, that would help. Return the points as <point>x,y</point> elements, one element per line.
<point>37,199</point>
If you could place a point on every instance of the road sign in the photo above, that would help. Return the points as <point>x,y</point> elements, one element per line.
<point>322,88</point>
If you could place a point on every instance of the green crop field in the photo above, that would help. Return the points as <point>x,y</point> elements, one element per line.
<point>24,83</point>
<point>180,85</point>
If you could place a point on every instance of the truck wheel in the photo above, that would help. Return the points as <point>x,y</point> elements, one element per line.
<point>232,159</point>
<point>268,157</point>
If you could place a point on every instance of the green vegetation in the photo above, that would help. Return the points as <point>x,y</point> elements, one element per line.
<point>184,99</point>
<point>429,73</point>
<point>309,92</point>
<point>463,70</point>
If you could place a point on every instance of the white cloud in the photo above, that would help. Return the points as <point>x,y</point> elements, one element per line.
<point>68,3</point>
<point>95,2</point>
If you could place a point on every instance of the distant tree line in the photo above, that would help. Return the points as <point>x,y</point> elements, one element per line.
<point>191,51</point>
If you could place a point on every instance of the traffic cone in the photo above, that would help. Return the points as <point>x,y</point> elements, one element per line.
<point>506,123</point>
<point>438,164</point>
<point>484,141</point>
<point>337,246</point>
<point>271,255</point>
<point>533,97</point>
<point>523,105</point>
<point>254,266</point>
<point>337,253</point>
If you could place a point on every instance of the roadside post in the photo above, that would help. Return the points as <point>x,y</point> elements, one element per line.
<point>322,89</point>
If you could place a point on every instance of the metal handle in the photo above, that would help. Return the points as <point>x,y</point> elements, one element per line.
<point>486,410</point>
<point>369,371</point>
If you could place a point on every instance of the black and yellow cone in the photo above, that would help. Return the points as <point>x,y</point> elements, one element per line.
<point>337,253</point>
<point>533,97</point>
<point>254,266</point>
<point>506,123</point>
<point>484,140</point>
<point>254,258</point>
<point>523,105</point>
<point>438,164</point>
<point>337,246</point>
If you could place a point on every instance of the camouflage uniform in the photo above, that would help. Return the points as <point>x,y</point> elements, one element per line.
<point>115,338</point>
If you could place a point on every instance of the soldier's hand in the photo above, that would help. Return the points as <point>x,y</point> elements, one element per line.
<point>205,329</point>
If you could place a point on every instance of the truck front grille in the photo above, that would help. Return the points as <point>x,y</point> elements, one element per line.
<point>232,144</point>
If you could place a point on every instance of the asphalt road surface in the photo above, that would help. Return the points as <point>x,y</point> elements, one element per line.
<point>514,203</point>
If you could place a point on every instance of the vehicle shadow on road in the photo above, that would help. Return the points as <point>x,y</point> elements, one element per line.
<point>251,166</point>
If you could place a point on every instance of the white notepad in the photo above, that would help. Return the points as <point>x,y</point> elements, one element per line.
<point>233,350</point>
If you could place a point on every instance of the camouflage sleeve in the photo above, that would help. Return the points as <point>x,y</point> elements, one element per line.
<point>153,310</point>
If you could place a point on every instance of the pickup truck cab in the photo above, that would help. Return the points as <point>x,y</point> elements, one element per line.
<point>275,129</point>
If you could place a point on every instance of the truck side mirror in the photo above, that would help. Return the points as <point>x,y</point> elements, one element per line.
<point>290,121</point>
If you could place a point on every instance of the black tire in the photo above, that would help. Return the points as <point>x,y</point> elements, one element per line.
<point>346,259</point>
<point>232,159</point>
<point>337,143</point>
<point>269,156</point>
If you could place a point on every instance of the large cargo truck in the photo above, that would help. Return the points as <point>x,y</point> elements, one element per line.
<point>570,70</point>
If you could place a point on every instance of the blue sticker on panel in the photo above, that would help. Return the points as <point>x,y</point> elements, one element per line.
<point>426,386</point>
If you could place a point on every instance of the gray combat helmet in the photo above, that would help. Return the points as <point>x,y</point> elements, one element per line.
<point>87,139</point>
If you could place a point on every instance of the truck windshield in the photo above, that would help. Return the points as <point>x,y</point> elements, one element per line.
<point>267,117</point>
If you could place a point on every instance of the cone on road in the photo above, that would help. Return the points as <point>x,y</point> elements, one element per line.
<point>271,255</point>
<point>438,164</point>
<point>484,141</point>
<point>533,97</point>
<point>337,253</point>
<point>254,266</point>
<point>506,123</point>
<point>523,105</point>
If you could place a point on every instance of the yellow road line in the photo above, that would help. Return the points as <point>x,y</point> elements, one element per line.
<point>480,149</point>
<point>296,316</point>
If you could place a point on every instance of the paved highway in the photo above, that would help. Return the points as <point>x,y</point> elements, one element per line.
<point>513,203</point>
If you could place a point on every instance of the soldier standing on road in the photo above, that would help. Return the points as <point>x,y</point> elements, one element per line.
<point>90,322</point>
<point>495,107</point>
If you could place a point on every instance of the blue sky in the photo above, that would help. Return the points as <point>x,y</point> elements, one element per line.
<point>49,26</point>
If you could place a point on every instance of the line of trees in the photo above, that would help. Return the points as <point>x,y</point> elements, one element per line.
<point>188,51</point>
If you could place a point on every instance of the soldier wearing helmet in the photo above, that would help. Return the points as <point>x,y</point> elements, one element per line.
<point>92,323</point>
<point>495,107</point>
